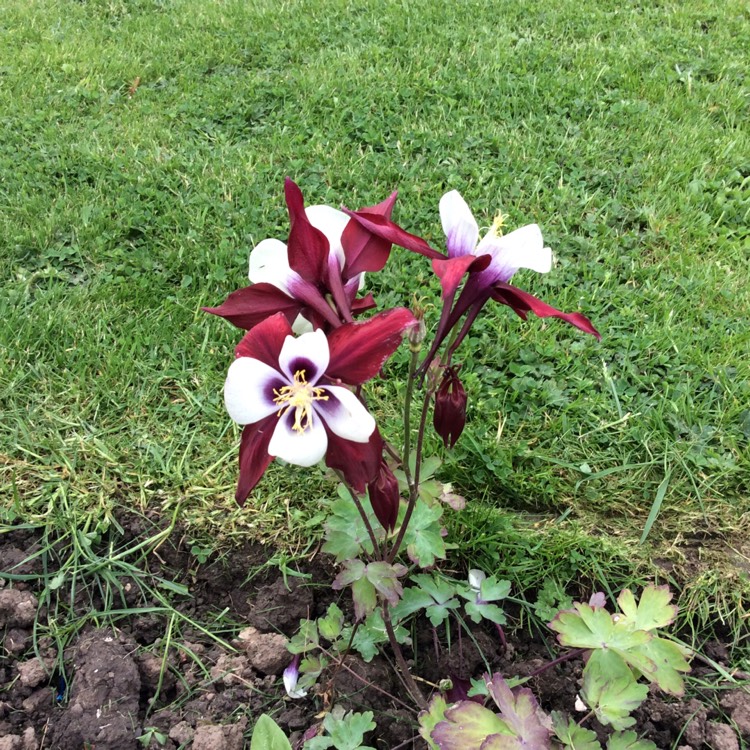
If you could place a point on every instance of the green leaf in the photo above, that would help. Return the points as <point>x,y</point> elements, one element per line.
<point>371,633</point>
<point>611,690</point>
<point>384,577</point>
<point>652,611</point>
<point>467,726</point>
<point>305,638</point>
<point>345,531</point>
<point>331,625</point>
<point>412,600</point>
<point>628,741</point>
<point>593,627</point>
<point>365,598</point>
<point>660,661</point>
<point>346,731</point>
<point>429,719</point>
<point>423,537</point>
<point>572,736</point>
<point>479,612</point>
<point>433,593</point>
<point>491,589</point>
<point>267,735</point>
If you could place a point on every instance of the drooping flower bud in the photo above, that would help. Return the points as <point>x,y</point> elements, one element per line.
<point>384,496</point>
<point>449,416</point>
<point>291,675</point>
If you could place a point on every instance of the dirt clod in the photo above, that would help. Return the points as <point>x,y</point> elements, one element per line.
<point>32,673</point>
<point>277,607</point>
<point>103,706</point>
<point>219,737</point>
<point>737,704</point>
<point>182,733</point>
<point>267,651</point>
<point>721,736</point>
<point>11,742</point>
<point>17,608</point>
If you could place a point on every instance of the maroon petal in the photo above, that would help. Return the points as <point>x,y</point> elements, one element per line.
<point>384,228</point>
<point>359,350</point>
<point>265,340</point>
<point>358,462</point>
<point>450,271</point>
<point>522,303</point>
<point>307,247</point>
<point>384,496</point>
<point>363,250</point>
<point>362,305</point>
<point>254,458</point>
<point>250,305</point>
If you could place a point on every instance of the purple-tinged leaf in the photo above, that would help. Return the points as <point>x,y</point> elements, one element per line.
<point>466,726</point>
<point>522,714</point>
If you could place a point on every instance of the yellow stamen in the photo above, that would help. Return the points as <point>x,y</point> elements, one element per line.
<point>496,230</point>
<point>299,396</point>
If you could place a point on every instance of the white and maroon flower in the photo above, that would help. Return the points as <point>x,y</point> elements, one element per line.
<point>314,278</point>
<point>291,395</point>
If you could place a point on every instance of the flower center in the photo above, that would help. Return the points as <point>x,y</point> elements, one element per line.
<point>299,396</point>
<point>496,230</point>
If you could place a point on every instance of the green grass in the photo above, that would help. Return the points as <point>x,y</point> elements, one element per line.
<point>143,152</point>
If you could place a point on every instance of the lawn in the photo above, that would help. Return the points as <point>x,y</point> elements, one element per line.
<point>143,153</point>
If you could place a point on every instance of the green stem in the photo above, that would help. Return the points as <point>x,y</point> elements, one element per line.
<point>407,415</point>
<point>414,484</point>
<point>370,531</point>
<point>408,680</point>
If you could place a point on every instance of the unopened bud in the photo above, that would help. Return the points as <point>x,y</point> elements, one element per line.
<point>385,496</point>
<point>417,332</point>
<point>449,416</point>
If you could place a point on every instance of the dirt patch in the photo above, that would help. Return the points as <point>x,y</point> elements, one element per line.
<point>177,688</point>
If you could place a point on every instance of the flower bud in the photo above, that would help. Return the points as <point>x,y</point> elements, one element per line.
<point>291,675</point>
<point>449,416</point>
<point>384,496</point>
<point>418,331</point>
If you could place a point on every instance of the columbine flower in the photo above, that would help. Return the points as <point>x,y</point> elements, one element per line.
<point>449,415</point>
<point>289,394</point>
<point>314,278</point>
<point>501,256</point>
<point>291,676</point>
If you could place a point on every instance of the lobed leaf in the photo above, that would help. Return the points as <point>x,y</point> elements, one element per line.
<point>611,690</point>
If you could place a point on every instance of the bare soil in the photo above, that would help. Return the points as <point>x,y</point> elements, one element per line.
<point>117,686</point>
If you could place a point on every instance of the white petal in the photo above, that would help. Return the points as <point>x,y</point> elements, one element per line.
<point>331,222</point>
<point>345,415</point>
<point>523,248</point>
<point>248,390</point>
<point>309,352</point>
<point>269,263</point>
<point>303,448</point>
<point>301,325</point>
<point>459,225</point>
<point>475,579</point>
